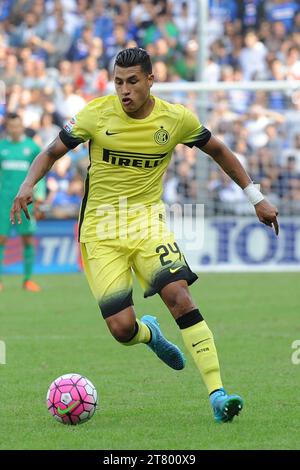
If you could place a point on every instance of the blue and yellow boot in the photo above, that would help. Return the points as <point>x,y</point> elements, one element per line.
<point>225,407</point>
<point>168,352</point>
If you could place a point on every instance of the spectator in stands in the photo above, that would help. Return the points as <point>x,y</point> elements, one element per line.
<point>48,130</point>
<point>81,46</point>
<point>161,72</point>
<point>291,200</point>
<point>71,102</point>
<point>65,73</point>
<point>29,28</point>
<point>185,174</point>
<point>277,99</point>
<point>257,120</point>
<point>239,100</point>
<point>266,187</point>
<point>296,27</point>
<point>186,66</point>
<point>288,173</point>
<point>293,63</point>
<point>276,36</point>
<point>253,57</point>
<point>93,81</point>
<point>294,150</point>
<point>115,43</point>
<point>275,141</point>
<point>58,43</point>
<point>11,73</point>
<point>32,109</point>
<point>164,27</point>
<point>212,72</point>
<point>185,24</point>
<point>103,24</point>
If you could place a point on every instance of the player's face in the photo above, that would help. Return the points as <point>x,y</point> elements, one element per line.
<point>133,89</point>
<point>14,128</point>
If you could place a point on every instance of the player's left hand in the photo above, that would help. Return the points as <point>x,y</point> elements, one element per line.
<point>267,214</point>
<point>21,201</point>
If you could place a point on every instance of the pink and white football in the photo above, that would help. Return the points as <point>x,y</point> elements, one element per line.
<point>72,399</point>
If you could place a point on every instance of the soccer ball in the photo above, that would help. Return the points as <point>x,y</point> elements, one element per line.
<point>72,399</point>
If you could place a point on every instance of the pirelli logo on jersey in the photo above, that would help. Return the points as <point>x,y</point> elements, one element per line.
<point>138,160</point>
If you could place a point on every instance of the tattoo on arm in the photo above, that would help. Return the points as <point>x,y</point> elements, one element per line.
<point>55,149</point>
<point>50,150</point>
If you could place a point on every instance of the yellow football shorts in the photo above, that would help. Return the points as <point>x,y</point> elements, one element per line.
<point>145,247</point>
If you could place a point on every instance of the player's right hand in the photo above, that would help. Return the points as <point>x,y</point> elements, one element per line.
<point>21,201</point>
<point>267,214</point>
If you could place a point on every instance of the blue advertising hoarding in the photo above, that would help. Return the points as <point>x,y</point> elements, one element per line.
<point>57,249</point>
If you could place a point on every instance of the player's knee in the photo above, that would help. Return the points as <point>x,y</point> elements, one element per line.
<point>122,331</point>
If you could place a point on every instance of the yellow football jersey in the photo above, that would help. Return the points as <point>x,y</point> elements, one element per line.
<point>128,157</point>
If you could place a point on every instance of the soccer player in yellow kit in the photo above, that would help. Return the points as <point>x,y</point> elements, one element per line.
<point>121,226</point>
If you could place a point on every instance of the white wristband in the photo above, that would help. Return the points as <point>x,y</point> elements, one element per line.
<point>253,193</point>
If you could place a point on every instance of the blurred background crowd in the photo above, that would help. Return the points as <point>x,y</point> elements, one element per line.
<point>57,55</point>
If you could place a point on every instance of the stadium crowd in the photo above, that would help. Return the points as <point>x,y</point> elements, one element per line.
<point>57,55</point>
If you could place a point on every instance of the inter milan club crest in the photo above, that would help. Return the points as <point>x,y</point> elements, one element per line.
<point>161,136</point>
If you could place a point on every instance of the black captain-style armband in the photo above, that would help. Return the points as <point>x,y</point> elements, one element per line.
<point>201,140</point>
<point>69,140</point>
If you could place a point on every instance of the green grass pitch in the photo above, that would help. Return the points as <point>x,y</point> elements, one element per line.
<point>143,403</point>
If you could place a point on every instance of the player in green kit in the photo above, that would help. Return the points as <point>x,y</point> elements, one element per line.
<point>16,154</point>
<point>122,221</point>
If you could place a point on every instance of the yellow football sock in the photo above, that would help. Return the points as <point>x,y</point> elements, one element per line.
<point>143,335</point>
<point>200,343</point>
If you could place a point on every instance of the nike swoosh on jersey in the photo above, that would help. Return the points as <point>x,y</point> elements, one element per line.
<point>174,270</point>
<point>111,133</point>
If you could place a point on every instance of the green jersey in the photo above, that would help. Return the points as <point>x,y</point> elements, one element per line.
<point>15,160</point>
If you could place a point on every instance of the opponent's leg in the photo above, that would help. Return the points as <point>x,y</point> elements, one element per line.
<point>199,341</point>
<point>5,227</point>
<point>2,248</point>
<point>26,230</point>
<point>28,258</point>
